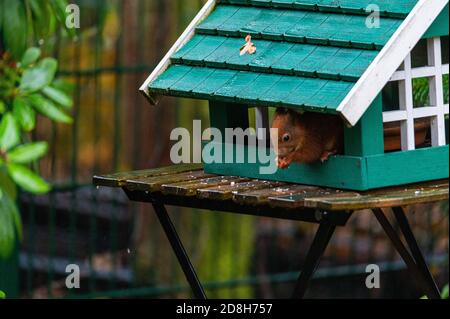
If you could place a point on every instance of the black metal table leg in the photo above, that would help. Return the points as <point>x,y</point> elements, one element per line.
<point>179,250</point>
<point>315,253</point>
<point>415,250</point>
<point>403,252</point>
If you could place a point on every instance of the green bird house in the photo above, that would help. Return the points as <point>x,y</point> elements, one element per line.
<point>379,65</point>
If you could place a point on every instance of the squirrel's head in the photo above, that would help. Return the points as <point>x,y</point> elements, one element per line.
<point>291,137</point>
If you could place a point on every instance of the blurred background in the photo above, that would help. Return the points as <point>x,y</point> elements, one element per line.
<point>118,245</point>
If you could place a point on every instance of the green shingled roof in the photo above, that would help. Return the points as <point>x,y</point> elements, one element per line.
<point>309,54</point>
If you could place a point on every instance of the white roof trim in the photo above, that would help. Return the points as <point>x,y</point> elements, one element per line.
<point>389,59</point>
<point>182,40</point>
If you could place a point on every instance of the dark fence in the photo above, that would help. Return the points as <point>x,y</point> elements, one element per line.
<point>119,246</point>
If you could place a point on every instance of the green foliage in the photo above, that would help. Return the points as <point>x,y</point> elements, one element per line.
<point>2,295</point>
<point>39,76</point>
<point>421,91</point>
<point>14,30</point>
<point>27,88</point>
<point>444,293</point>
<point>25,22</point>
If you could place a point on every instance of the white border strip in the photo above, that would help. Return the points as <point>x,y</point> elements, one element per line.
<point>182,40</point>
<point>389,59</point>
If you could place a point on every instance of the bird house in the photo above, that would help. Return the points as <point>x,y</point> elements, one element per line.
<point>381,66</point>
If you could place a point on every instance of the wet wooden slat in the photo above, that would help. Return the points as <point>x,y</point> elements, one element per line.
<point>298,200</point>
<point>261,196</point>
<point>403,188</point>
<point>190,180</point>
<point>119,179</point>
<point>154,184</point>
<point>190,188</point>
<point>227,192</point>
<point>388,199</point>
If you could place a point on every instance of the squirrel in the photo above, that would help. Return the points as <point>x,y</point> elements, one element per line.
<point>306,138</point>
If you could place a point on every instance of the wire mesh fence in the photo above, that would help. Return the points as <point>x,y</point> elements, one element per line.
<point>118,245</point>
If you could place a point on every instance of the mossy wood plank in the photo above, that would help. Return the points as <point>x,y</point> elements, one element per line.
<point>312,27</point>
<point>407,167</point>
<point>190,188</point>
<point>153,184</point>
<point>119,179</point>
<point>386,7</point>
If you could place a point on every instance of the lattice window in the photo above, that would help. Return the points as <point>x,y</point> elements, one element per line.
<point>407,112</point>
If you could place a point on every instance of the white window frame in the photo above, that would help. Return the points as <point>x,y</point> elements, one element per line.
<point>436,111</point>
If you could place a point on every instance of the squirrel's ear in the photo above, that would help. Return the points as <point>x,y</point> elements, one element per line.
<point>282,110</point>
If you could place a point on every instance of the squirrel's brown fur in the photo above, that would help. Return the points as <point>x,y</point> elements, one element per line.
<point>307,137</point>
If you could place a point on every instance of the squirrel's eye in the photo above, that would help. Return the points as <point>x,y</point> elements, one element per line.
<point>286,137</point>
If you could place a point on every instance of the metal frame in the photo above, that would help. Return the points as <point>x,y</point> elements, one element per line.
<point>328,221</point>
<point>414,260</point>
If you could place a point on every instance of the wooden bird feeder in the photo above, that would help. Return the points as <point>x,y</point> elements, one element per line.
<point>322,56</point>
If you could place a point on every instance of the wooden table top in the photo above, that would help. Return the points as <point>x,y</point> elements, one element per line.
<point>188,181</point>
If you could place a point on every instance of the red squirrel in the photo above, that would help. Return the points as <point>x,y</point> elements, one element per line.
<point>307,137</point>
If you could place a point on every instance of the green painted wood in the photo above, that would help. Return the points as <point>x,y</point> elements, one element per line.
<point>366,137</point>
<point>439,27</point>
<point>251,88</point>
<point>407,167</point>
<point>228,115</point>
<point>277,57</point>
<point>298,26</point>
<point>386,7</point>
<point>345,172</point>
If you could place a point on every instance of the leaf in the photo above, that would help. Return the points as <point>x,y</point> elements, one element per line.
<point>9,132</point>
<point>58,96</point>
<point>47,108</point>
<point>6,184</point>
<point>59,7</point>
<point>9,217</point>
<point>2,295</point>
<point>42,18</point>
<point>444,293</point>
<point>2,104</point>
<point>14,27</point>
<point>27,179</point>
<point>30,56</point>
<point>1,18</point>
<point>39,76</point>
<point>27,153</point>
<point>64,86</point>
<point>248,47</point>
<point>24,114</point>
